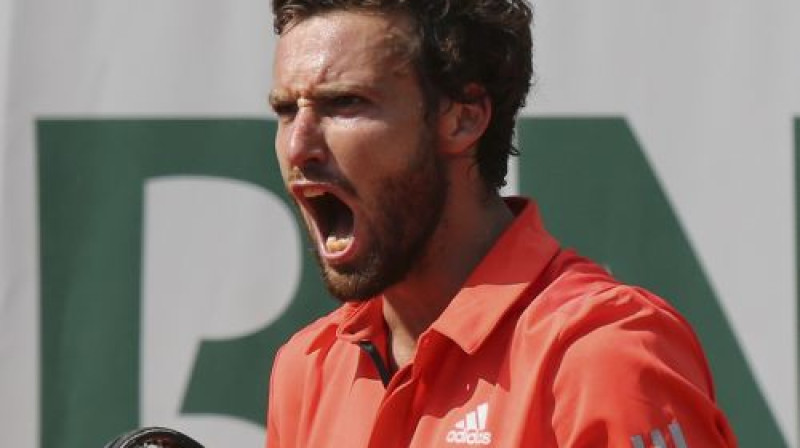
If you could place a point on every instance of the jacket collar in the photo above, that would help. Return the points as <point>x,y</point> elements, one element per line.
<point>512,266</point>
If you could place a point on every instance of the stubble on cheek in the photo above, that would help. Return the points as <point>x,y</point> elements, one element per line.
<point>407,211</point>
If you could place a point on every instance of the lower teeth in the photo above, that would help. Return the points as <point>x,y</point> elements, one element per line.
<point>333,244</point>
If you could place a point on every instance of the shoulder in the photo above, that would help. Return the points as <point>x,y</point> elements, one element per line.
<point>318,335</point>
<point>290,374</point>
<point>584,303</point>
<point>605,309</point>
<point>595,319</point>
<point>624,363</point>
<point>629,331</point>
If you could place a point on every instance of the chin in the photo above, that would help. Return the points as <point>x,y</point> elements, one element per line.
<point>349,284</point>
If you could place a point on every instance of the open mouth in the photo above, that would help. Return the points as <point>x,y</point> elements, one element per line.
<point>333,220</point>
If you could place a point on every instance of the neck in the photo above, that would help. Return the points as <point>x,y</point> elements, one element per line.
<point>466,233</point>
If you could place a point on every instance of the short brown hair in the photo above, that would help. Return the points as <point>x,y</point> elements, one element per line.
<point>462,42</point>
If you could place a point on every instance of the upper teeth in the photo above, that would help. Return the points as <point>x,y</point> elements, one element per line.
<point>313,192</point>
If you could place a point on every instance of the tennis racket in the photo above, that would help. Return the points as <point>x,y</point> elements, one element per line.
<point>153,437</point>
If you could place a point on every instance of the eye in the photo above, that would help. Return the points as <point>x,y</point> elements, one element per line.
<point>344,104</point>
<point>346,101</point>
<point>285,110</point>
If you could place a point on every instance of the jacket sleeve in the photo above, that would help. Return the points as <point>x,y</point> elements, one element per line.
<point>632,374</point>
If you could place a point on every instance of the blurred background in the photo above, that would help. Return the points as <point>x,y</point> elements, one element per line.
<point>150,263</point>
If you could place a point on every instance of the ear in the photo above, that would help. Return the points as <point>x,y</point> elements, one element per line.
<point>462,124</point>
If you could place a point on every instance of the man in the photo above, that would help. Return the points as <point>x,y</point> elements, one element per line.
<point>463,322</point>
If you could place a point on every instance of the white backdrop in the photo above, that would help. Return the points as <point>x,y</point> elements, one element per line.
<point>710,88</point>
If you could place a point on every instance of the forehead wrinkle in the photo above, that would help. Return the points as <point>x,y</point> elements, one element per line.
<point>329,49</point>
<point>333,81</point>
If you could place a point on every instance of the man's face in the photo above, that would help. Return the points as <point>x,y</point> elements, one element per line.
<point>354,148</point>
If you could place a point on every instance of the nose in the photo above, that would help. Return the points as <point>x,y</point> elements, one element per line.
<point>306,142</point>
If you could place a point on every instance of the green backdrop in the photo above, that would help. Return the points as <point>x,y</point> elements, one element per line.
<point>590,176</point>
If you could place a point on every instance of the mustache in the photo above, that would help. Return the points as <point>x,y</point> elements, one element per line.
<point>319,174</point>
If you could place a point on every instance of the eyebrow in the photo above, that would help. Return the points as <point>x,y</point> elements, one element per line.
<point>321,93</point>
<point>279,97</point>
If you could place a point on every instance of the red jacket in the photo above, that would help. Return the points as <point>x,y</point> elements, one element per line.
<point>540,348</point>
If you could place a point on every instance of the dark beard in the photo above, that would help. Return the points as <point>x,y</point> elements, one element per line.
<point>399,232</point>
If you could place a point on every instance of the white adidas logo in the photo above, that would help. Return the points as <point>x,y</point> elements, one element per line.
<point>471,430</point>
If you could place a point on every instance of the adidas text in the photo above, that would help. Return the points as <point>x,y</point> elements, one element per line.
<point>469,437</point>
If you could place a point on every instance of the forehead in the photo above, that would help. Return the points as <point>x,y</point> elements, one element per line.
<point>343,46</point>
